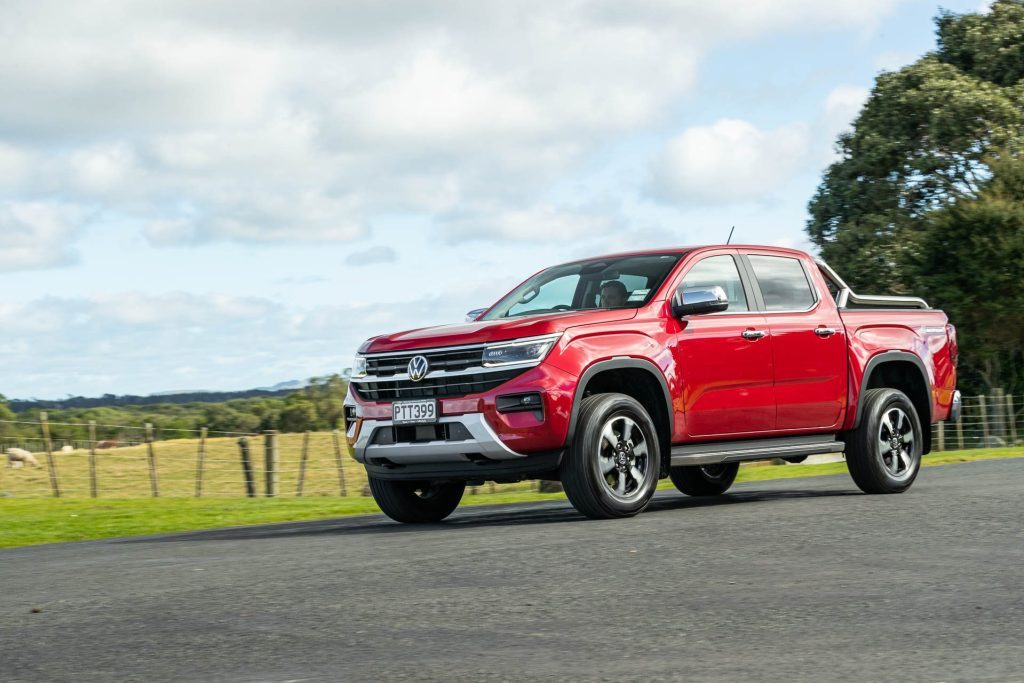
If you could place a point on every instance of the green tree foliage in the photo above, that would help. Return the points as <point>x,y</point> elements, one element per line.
<point>298,415</point>
<point>5,412</point>
<point>926,195</point>
<point>920,144</point>
<point>971,263</point>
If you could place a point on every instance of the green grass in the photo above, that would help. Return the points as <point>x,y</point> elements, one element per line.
<point>32,521</point>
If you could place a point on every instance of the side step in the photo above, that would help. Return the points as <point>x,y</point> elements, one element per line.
<point>754,449</point>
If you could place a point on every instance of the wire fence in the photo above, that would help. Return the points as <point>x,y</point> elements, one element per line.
<point>72,460</point>
<point>124,461</point>
<point>993,421</point>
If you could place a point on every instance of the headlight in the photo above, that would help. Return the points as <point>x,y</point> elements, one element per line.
<point>521,351</point>
<point>359,366</point>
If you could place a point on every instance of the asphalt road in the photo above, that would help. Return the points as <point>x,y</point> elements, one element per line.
<point>791,580</point>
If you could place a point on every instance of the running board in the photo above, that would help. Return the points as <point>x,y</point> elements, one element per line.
<point>753,449</point>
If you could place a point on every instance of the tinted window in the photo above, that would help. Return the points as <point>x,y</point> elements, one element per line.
<point>783,283</point>
<point>718,271</point>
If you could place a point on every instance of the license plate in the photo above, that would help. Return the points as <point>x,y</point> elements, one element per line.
<point>414,412</point>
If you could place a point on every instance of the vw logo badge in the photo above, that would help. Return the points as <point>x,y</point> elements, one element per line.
<point>418,368</point>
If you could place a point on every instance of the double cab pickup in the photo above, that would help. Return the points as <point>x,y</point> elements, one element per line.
<point>611,373</point>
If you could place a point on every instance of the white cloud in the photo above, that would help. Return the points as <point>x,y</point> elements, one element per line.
<point>730,160</point>
<point>842,106</point>
<point>377,254</point>
<point>133,342</point>
<point>36,235</point>
<point>280,123</point>
<point>539,223</point>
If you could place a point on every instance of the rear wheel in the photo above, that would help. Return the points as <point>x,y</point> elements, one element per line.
<point>416,501</point>
<point>613,463</point>
<point>704,480</point>
<point>883,454</point>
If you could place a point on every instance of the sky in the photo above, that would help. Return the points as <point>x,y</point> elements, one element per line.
<point>196,197</point>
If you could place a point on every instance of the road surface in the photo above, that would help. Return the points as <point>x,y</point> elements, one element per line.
<point>802,579</point>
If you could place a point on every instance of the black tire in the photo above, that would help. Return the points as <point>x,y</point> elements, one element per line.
<point>706,480</point>
<point>878,467</point>
<point>417,502</point>
<point>593,490</point>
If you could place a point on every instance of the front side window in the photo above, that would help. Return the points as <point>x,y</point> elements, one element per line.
<point>783,283</point>
<point>622,282</point>
<point>718,271</point>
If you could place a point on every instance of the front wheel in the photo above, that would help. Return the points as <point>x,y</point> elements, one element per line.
<point>704,480</point>
<point>415,502</point>
<point>613,463</point>
<point>883,453</point>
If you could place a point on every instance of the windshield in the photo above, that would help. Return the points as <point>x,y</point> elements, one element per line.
<point>624,282</point>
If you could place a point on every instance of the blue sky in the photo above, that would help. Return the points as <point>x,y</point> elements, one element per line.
<point>194,200</point>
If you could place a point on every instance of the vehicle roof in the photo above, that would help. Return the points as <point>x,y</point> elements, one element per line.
<point>679,251</point>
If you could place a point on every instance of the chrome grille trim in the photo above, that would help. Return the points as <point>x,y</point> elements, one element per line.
<point>441,374</point>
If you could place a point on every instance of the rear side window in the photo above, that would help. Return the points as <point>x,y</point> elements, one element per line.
<point>783,283</point>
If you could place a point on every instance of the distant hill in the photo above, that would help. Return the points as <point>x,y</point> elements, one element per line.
<point>281,389</point>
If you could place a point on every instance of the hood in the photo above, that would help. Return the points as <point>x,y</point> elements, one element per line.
<point>487,331</point>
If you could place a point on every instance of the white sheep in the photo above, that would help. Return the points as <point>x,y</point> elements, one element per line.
<point>67,449</point>
<point>19,457</point>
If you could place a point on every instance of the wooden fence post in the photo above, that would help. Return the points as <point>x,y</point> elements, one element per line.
<point>250,480</point>
<point>984,420</point>
<point>302,464</point>
<point>942,436</point>
<point>1013,419</point>
<point>270,461</point>
<point>93,487</point>
<point>51,465</point>
<point>154,484</point>
<point>200,458</point>
<point>998,417</point>
<point>339,463</point>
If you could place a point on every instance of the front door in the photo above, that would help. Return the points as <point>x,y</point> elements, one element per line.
<point>724,359</point>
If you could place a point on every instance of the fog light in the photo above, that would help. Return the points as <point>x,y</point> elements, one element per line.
<point>520,402</point>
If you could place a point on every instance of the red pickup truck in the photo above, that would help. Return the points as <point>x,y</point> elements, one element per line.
<point>610,373</point>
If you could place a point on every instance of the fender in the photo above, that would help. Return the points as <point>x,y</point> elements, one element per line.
<point>617,364</point>
<point>889,357</point>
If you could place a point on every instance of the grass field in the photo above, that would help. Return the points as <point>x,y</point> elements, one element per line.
<point>124,472</point>
<point>28,521</point>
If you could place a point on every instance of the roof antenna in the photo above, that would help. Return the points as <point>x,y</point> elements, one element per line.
<point>731,230</point>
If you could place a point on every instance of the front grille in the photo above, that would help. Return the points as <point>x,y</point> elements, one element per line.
<point>434,387</point>
<point>449,361</point>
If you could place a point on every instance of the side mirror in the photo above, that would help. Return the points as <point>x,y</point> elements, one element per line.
<point>697,300</point>
<point>475,314</point>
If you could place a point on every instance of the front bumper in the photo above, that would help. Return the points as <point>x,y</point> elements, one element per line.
<point>482,443</point>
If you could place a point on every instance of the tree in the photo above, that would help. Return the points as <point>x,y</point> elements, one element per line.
<point>920,145</point>
<point>5,412</point>
<point>299,415</point>
<point>926,196</point>
<point>971,263</point>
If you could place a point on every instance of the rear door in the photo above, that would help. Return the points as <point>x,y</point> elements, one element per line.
<point>808,342</point>
<point>724,359</point>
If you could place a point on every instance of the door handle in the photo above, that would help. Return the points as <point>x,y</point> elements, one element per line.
<point>824,331</point>
<point>754,335</point>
